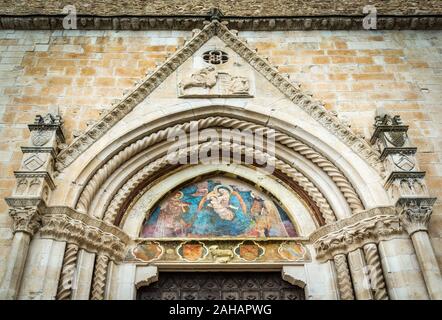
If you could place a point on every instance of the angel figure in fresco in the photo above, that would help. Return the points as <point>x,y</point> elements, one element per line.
<point>267,219</point>
<point>219,201</point>
<point>170,220</point>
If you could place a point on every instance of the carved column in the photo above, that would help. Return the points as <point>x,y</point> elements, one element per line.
<point>374,266</point>
<point>406,186</point>
<point>64,291</point>
<point>100,273</point>
<point>27,220</point>
<point>344,279</point>
<point>34,182</point>
<point>359,274</point>
<point>415,215</point>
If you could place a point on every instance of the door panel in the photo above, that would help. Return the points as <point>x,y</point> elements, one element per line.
<point>220,286</point>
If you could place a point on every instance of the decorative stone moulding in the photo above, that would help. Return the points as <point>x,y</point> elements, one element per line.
<point>390,136</point>
<point>384,22</point>
<point>103,173</point>
<point>93,235</point>
<point>404,177</point>
<point>26,213</point>
<point>356,231</point>
<point>169,252</point>
<point>287,87</point>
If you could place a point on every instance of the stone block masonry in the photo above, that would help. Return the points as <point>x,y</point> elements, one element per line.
<point>79,73</point>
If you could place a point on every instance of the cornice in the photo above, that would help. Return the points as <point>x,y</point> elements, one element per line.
<point>135,23</point>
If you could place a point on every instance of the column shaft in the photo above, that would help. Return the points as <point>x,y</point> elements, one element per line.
<point>428,264</point>
<point>15,266</point>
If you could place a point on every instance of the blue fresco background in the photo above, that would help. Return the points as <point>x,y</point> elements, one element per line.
<point>207,222</point>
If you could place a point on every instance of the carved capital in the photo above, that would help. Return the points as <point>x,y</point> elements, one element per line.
<point>352,233</point>
<point>26,219</point>
<point>65,224</point>
<point>415,213</point>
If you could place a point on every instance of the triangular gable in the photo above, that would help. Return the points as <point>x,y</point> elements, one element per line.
<point>215,28</point>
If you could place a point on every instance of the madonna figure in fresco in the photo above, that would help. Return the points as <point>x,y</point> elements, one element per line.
<point>216,208</point>
<point>221,212</point>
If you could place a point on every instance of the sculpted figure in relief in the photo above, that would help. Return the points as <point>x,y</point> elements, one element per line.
<point>204,78</point>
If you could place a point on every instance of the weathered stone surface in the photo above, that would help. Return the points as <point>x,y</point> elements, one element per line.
<point>79,73</point>
<point>241,7</point>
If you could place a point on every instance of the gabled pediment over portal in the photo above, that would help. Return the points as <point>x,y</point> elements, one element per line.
<point>215,63</point>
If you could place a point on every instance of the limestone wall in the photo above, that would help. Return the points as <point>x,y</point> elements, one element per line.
<point>79,73</point>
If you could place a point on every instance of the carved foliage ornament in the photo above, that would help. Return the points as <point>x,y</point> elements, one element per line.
<point>89,237</point>
<point>26,219</point>
<point>355,234</point>
<point>415,215</point>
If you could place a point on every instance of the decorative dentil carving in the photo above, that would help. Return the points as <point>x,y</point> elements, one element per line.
<point>26,219</point>
<point>415,214</point>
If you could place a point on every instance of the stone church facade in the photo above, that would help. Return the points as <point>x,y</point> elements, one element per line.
<point>100,198</point>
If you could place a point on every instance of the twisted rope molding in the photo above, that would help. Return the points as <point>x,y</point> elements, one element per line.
<point>331,170</point>
<point>375,272</point>
<point>287,87</point>
<point>112,210</point>
<point>295,175</point>
<point>64,291</point>
<point>345,286</point>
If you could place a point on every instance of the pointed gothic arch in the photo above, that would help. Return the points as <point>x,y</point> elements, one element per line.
<point>338,174</point>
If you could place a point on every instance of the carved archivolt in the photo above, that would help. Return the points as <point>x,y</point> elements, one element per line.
<point>65,224</point>
<point>154,166</point>
<point>291,90</point>
<point>352,233</point>
<point>142,144</point>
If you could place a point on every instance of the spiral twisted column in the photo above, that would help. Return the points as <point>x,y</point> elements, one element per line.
<point>64,291</point>
<point>345,286</point>
<point>375,271</point>
<point>99,280</point>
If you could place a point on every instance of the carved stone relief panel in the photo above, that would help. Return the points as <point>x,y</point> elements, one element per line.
<point>216,71</point>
